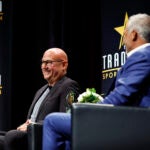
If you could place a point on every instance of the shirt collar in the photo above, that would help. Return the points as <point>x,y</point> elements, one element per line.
<point>137,49</point>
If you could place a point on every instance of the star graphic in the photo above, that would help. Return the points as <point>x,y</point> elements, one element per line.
<point>120,29</point>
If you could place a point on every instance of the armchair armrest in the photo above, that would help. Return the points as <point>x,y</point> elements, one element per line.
<point>2,133</point>
<point>34,133</point>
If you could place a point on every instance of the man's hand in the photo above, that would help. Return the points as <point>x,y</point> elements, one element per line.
<point>23,127</point>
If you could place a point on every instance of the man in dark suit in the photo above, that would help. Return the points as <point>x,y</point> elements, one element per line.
<point>49,98</point>
<point>132,85</point>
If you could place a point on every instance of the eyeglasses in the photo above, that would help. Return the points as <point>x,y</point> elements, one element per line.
<point>50,62</point>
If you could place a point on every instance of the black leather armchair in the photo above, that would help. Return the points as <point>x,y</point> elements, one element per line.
<point>100,127</point>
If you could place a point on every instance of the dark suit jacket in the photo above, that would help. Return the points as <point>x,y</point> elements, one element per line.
<point>132,86</point>
<point>55,101</point>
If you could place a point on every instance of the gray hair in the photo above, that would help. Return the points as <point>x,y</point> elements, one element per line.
<point>141,23</point>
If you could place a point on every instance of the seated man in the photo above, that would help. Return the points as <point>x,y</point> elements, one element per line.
<point>132,85</point>
<point>49,98</point>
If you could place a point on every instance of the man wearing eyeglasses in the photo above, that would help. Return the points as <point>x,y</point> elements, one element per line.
<point>49,98</point>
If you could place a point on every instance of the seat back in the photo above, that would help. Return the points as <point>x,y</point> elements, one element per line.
<point>103,127</point>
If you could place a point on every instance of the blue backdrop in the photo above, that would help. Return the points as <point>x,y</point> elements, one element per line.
<point>114,15</point>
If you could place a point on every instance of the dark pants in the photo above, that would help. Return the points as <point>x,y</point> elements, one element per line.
<point>16,140</point>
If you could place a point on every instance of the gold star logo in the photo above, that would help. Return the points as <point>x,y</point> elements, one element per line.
<point>120,29</point>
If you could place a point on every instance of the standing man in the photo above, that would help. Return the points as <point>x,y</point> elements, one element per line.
<point>132,85</point>
<point>49,98</point>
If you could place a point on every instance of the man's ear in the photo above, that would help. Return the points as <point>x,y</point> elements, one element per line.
<point>65,64</point>
<point>134,35</point>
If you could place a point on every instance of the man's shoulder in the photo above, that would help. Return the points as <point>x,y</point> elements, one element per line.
<point>67,80</point>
